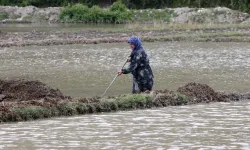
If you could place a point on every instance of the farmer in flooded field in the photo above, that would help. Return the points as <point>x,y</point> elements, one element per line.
<point>139,67</point>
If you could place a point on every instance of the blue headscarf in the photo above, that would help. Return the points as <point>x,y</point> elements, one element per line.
<point>136,42</point>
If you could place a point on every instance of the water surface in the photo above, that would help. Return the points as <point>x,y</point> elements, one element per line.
<point>86,70</point>
<point>212,126</point>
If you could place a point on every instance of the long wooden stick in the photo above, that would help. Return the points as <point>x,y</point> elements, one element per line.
<point>113,80</point>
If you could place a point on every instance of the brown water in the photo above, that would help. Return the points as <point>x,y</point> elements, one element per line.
<point>212,126</point>
<point>86,70</point>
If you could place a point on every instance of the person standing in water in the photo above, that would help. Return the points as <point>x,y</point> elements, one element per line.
<point>143,78</point>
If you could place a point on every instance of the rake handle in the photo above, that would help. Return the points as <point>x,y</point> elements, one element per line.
<point>113,80</point>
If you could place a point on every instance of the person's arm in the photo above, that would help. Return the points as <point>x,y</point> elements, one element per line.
<point>133,65</point>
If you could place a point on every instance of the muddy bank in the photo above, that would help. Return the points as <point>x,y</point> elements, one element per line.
<point>29,14</point>
<point>22,90</point>
<point>23,100</point>
<point>228,34</point>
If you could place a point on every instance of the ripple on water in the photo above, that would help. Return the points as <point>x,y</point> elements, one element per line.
<point>212,126</point>
<point>88,69</point>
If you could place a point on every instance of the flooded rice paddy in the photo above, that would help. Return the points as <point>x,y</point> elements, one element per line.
<point>212,126</point>
<point>86,70</point>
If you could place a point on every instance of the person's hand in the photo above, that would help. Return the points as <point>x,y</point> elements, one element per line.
<point>120,73</point>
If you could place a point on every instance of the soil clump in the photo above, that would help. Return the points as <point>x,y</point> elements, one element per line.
<point>23,90</point>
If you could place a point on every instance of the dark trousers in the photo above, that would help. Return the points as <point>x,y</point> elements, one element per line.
<point>142,86</point>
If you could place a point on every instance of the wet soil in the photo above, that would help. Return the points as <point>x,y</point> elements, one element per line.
<point>22,90</point>
<point>193,93</point>
<point>22,93</point>
<point>22,100</point>
<point>202,93</point>
<point>8,39</point>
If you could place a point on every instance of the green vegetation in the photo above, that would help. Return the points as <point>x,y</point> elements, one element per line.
<point>122,103</point>
<point>91,11</point>
<point>27,18</point>
<point>117,13</point>
<point>243,5</point>
<point>3,16</point>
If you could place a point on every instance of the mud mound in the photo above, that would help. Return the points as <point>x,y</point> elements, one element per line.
<point>22,90</point>
<point>202,93</point>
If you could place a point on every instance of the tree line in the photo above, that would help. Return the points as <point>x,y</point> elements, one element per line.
<point>243,5</point>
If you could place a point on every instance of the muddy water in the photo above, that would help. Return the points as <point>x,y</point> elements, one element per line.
<point>86,70</point>
<point>212,126</point>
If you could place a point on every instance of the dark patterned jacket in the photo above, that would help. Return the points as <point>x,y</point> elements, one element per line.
<point>139,66</point>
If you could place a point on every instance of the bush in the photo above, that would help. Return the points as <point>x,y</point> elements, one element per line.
<point>117,13</point>
<point>96,15</point>
<point>77,12</point>
<point>118,6</point>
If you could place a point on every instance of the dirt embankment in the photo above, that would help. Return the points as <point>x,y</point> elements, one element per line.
<point>221,15</point>
<point>22,90</point>
<point>23,93</point>
<point>28,100</point>
<point>8,39</point>
<point>29,14</point>
<point>204,93</point>
<point>15,91</point>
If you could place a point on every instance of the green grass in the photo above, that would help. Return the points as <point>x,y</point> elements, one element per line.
<point>134,101</point>
<point>122,103</point>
